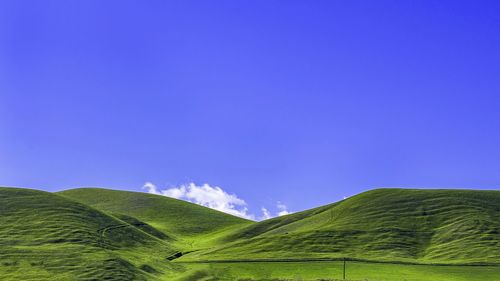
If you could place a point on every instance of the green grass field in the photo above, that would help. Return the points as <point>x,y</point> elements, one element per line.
<point>334,271</point>
<point>178,219</point>
<point>46,236</point>
<point>424,226</point>
<point>99,234</point>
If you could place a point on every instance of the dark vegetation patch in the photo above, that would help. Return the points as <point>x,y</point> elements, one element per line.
<point>174,256</point>
<point>148,268</point>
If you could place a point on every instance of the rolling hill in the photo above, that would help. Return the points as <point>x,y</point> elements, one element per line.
<point>404,225</point>
<point>187,223</point>
<point>423,226</point>
<point>101,234</point>
<point>47,236</point>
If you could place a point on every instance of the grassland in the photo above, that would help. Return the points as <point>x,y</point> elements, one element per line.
<point>189,225</point>
<point>418,226</point>
<point>44,236</point>
<point>99,234</point>
<point>333,270</point>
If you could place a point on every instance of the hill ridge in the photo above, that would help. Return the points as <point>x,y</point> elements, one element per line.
<point>87,232</point>
<point>415,225</point>
<point>52,236</point>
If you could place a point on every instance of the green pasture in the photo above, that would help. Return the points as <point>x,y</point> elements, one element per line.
<point>387,234</point>
<point>333,270</point>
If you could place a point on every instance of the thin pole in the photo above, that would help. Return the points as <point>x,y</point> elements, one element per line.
<point>344,270</point>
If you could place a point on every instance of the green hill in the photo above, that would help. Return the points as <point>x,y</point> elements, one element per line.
<point>189,224</point>
<point>46,236</point>
<point>425,226</point>
<point>100,234</point>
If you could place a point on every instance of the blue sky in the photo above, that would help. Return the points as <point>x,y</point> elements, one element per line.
<point>297,102</point>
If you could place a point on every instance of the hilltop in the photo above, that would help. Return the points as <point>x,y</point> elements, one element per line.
<point>185,222</point>
<point>44,235</point>
<point>423,226</point>
<point>92,233</point>
<point>404,225</point>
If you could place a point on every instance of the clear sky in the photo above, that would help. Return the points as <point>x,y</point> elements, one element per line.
<point>301,102</point>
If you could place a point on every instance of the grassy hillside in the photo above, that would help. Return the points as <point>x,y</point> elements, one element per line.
<point>183,221</point>
<point>44,236</point>
<point>428,226</point>
<point>99,234</point>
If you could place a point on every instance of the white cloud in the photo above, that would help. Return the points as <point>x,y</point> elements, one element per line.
<point>265,214</point>
<point>177,193</point>
<point>216,198</point>
<point>209,196</point>
<point>150,187</point>
<point>282,209</point>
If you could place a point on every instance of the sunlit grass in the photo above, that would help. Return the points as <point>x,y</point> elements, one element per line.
<point>98,234</point>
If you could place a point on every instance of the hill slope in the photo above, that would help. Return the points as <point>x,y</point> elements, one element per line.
<point>46,236</point>
<point>183,221</point>
<point>98,234</point>
<point>430,226</point>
